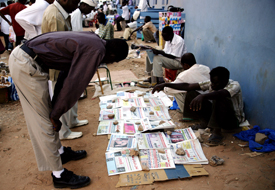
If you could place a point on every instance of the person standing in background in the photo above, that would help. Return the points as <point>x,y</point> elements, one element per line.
<point>31,18</point>
<point>12,10</point>
<point>5,29</point>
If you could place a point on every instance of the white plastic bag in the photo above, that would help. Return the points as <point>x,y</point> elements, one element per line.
<point>12,36</point>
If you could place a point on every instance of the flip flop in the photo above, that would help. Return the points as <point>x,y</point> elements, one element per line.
<point>186,119</point>
<point>215,139</point>
<point>196,127</point>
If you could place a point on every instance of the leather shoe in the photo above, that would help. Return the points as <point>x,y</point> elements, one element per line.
<point>69,155</point>
<point>73,135</point>
<point>69,179</point>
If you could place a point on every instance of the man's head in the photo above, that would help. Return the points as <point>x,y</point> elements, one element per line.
<point>188,60</point>
<point>219,77</point>
<point>22,1</point>
<point>31,2</point>
<point>50,1</point>
<point>86,6</point>
<point>167,33</point>
<point>3,4</point>
<point>101,18</point>
<point>147,19</point>
<point>116,50</point>
<point>69,5</point>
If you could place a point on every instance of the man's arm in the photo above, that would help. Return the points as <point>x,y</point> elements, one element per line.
<point>155,51</point>
<point>3,16</point>
<point>139,28</point>
<point>177,86</point>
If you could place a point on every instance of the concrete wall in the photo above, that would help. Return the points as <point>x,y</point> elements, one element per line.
<point>239,35</point>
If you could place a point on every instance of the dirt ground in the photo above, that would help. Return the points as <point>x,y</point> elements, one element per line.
<point>18,169</point>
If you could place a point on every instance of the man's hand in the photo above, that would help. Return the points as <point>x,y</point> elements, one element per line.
<point>158,88</point>
<point>196,103</point>
<point>56,124</point>
<point>156,52</point>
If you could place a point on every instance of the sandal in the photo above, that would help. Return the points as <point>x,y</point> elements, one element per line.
<point>215,139</point>
<point>186,119</point>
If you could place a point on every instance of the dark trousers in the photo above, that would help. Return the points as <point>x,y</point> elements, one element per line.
<point>118,26</point>
<point>8,44</point>
<point>218,114</point>
<point>18,40</point>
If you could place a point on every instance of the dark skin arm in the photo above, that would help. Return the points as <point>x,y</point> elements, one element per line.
<point>56,124</point>
<point>155,51</point>
<point>139,28</point>
<point>3,16</point>
<point>196,103</point>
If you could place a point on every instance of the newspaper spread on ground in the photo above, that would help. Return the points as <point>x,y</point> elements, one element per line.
<point>107,127</point>
<point>115,103</point>
<point>155,159</point>
<point>151,140</point>
<point>157,113</point>
<point>129,102</point>
<point>132,126</point>
<point>103,115</point>
<point>119,142</point>
<point>154,101</point>
<point>166,125</point>
<point>181,135</point>
<point>168,102</point>
<point>194,153</point>
<point>119,162</point>
<point>123,94</point>
<point>128,114</point>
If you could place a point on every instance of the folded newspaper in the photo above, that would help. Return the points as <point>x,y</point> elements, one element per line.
<point>194,153</point>
<point>107,127</point>
<point>151,141</point>
<point>119,142</point>
<point>181,135</point>
<point>157,113</point>
<point>119,162</point>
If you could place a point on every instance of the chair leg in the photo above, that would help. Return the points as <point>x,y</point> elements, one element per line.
<point>99,82</point>
<point>108,74</point>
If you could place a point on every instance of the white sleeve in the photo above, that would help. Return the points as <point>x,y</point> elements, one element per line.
<point>27,26</point>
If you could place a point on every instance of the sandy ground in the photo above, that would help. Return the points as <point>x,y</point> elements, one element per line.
<point>18,169</point>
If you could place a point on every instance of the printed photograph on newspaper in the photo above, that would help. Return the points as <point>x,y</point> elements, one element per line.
<point>193,152</point>
<point>151,140</point>
<point>107,127</point>
<point>137,102</point>
<point>119,162</point>
<point>138,125</point>
<point>180,135</point>
<point>119,142</point>
<point>155,159</point>
<point>156,113</point>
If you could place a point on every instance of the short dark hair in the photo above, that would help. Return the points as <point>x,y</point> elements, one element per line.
<point>167,30</point>
<point>189,59</point>
<point>221,72</point>
<point>118,47</point>
<point>147,19</point>
<point>101,18</point>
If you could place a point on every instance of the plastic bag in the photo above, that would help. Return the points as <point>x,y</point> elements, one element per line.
<point>12,36</point>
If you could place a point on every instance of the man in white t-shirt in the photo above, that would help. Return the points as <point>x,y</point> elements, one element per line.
<point>31,18</point>
<point>168,58</point>
<point>130,27</point>
<point>5,30</point>
<point>85,7</point>
<point>125,16</point>
<point>193,73</point>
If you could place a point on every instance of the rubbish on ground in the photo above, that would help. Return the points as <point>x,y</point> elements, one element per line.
<point>252,154</point>
<point>260,138</point>
<point>215,161</point>
<point>243,145</point>
<point>198,135</point>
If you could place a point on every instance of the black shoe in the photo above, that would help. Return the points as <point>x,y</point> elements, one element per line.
<point>69,179</point>
<point>148,80</point>
<point>69,155</point>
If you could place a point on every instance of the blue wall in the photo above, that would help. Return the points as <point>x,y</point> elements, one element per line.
<point>239,35</point>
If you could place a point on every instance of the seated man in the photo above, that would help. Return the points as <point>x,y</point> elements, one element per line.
<point>226,109</point>
<point>193,73</point>
<point>149,30</point>
<point>106,29</point>
<point>170,56</point>
<point>77,55</point>
<point>125,16</point>
<point>130,27</point>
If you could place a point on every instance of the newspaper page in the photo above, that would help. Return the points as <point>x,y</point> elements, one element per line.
<point>151,141</point>
<point>107,127</point>
<point>108,97</point>
<point>137,102</point>
<point>123,95</point>
<point>115,103</point>
<point>128,114</point>
<point>181,135</point>
<point>156,113</point>
<point>103,115</point>
<point>166,125</point>
<point>154,101</point>
<point>154,159</point>
<point>168,102</point>
<point>131,125</point>
<point>119,142</point>
<point>194,153</point>
<point>119,162</point>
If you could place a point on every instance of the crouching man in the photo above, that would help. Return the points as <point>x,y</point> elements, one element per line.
<point>77,55</point>
<point>221,108</point>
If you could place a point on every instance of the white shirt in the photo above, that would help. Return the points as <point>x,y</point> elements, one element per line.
<point>176,47</point>
<point>76,20</point>
<point>125,13</point>
<point>105,8</point>
<point>194,74</point>
<point>234,89</point>
<point>4,25</point>
<point>142,5</point>
<point>132,25</point>
<point>31,18</point>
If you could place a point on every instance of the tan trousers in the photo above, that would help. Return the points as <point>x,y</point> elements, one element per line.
<point>127,33</point>
<point>160,61</point>
<point>32,87</point>
<point>148,35</point>
<point>180,98</point>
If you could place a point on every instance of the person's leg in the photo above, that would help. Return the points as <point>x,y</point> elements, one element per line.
<point>161,61</point>
<point>118,26</point>
<point>180,98</point>
<point>156,36</point>
<point>18,40</point>
<point>148,35</point>
<point>127,33</point>
<point>30,84</point>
